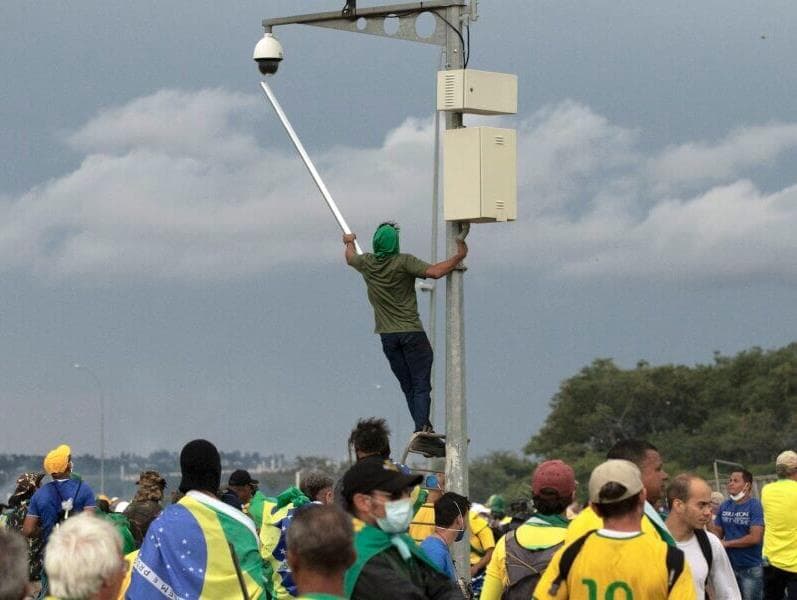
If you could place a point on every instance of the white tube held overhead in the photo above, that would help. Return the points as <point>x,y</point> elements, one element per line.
<point>308,163</point>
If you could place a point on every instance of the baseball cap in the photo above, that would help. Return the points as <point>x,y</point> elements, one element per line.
<point>57,459</point>
<point>241,477</point>
<point>555,475</point>
<point>787,458</point>
<point>376,473</point>
<point>615,470</point>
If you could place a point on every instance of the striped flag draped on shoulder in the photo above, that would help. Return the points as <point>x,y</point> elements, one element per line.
<point>199,548</point>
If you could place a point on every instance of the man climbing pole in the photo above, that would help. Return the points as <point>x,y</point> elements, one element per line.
<point>390,279</point>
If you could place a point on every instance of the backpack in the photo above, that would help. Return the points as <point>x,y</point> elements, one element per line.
<point>524,567</point>
<point>674,561</point>
<point>66,505</point>
<point>708,553</point>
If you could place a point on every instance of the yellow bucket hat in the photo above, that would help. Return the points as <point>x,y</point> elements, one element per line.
<point>57,460</point>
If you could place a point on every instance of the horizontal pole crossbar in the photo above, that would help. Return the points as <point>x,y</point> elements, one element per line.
<point>373,11</point>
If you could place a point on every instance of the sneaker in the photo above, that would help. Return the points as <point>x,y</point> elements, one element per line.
<point>428,446</point>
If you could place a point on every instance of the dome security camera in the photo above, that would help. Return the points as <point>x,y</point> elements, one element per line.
<point>268,54</point>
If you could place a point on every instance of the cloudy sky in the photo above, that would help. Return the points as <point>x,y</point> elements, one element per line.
<point>157,226</point>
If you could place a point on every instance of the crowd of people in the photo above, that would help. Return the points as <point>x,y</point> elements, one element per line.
<point>382,531</point>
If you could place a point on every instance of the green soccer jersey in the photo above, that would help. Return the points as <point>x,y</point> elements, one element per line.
<point>391,290</point>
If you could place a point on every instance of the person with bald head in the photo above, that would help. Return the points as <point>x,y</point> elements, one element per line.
<point>689,498</point>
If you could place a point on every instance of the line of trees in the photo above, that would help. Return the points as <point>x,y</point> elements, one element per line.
<point>741,408</point>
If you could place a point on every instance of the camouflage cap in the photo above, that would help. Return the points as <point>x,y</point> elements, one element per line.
<point>150,486</point>
<point>152,478</point>
<point>27,484</point>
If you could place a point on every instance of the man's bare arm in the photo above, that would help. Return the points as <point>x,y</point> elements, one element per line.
<point>30,526</point>
<point>751,539</point>
<point>441,269</point>
<point>348,241</point>
<point>485,560</point>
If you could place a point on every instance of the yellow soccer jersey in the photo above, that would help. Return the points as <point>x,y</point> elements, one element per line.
<point>422,525</point>
<point>779,500</point>
<point>481,537</point>
<point>587,520</point>
<point>613,566</point>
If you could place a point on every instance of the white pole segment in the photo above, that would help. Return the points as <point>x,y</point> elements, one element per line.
<point>308,163</point>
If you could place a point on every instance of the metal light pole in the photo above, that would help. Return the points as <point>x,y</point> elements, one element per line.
<point>447,33</point>
<point>456,406</point>
<point>102,421</point>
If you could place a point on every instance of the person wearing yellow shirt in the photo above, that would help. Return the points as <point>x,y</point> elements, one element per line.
<point>422,525</point>
<point>647,458</point>
<point>482,543</point>
<point>779,500</point>
<point>618,561</point>
<point>521,555</point>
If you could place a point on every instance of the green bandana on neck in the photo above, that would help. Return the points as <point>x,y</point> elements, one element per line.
<point>386,241</point>
<point>370,541</point>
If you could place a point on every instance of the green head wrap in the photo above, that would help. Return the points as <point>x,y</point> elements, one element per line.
<point>386,240</point>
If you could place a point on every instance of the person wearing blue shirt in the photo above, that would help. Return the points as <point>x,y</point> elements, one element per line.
<point>450,524</point>
<point>62,493</point>
<point>65,495</point>
<point>740,525</point>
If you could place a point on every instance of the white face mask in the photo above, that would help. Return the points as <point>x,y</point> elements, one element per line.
<point>739,496</point>
<point>460,531</point>
<point>398,516</point>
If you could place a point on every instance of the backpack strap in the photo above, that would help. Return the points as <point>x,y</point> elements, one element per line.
<point>57,491</point>
<point>705,548</point>
<point>566,562</point>
<point>61,497</point>
<point>675,566</point>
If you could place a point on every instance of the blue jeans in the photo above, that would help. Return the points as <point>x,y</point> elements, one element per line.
<point>751,582</point>
<point>410,356</point>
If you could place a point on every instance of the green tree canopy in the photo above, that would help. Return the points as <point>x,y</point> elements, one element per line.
<point>500,472</point>
<point>739,408</point>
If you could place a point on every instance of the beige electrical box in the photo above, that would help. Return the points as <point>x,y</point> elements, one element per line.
<point>480,174</point>
<point>477,92</point>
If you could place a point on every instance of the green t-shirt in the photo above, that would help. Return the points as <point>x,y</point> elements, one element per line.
<point>391,290</point>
